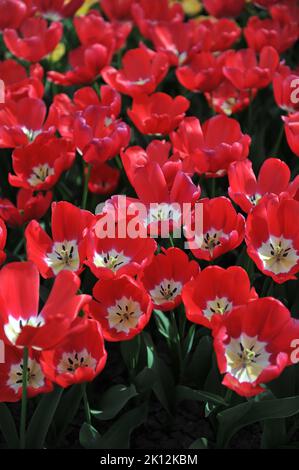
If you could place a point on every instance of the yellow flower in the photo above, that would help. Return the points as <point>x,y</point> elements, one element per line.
<point>86,7</point>
<point>191,7</point>
<point>204,18</point>
<point>58,52</point>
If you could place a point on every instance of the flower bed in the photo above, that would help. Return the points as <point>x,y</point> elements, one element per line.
<point>149,216</point>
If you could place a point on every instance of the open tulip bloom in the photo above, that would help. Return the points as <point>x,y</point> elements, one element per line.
<point>22,323</point>
<point>149,225</point>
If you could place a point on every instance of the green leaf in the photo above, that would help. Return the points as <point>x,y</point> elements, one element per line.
<point>186,393</point>
<point>42,419</point>
<point>287,384</point>
<point>130,352</point>
<point>67,409</point>
<point>163,324</point>
<point>213,381</point>
<point>89,437</point>
<point>113,401</point>
<point>150,356</point>
<point>8,427</point>
<point>236,418</point>
<point>118,436</point>
<point>163,386</point>
<point>201,443</point>
<point>189,340</point>
<point>200,362</point>
<point>145,380</point>
<point>274,434</point>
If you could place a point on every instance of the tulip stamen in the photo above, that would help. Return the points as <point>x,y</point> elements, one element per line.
<point>124,315</point>
<point>246,358</point>
<point>278,255</point>
<point>72,361</point>
<point>35,376</point>
<point>167,290</point>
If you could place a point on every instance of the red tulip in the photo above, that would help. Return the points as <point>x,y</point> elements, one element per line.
<point>93,29</point>
<point>98,136</point>
<point>222,231</point>
<point>21,321</point>
<point>35,39</point>
<point>212,295</point>
<point>147,14</point>
<point>11,375</point>
<point>202,73</point>
<point>217,35</point>
<point>291,127</point>
<point>63,110</point>
<point>265,3</point>
<point>117,9</point>
<point>157,151</point>
<point>142,71</point>
<point>66,251</point>
<point>19,127</point>
<point>86,63</point>
<point>253,343</point>
<point>166,276</point>
<point>268,32</point>
<point>247,191</point>
<point>109,257</point>
<point>221,8</point>
<point>79,359</point>
<point>103,179</point>
<point>286,89</point>
<point>12,13</point>
<point>18,84</point>
<point>176,39</point>
<point>56,10</point>
<point>158,113</point>
<point>272,237</point>
<point>121,306</point>
<point>213,147</point>
<point>244,70</point>
<point>227,99</point>
<point>39,165</point>
<point>29,206</point>
<point>286,11</point>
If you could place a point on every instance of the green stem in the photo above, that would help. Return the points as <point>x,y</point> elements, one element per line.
<point>65,189</point>
<point>267,287</point>
<point>97,88</point>
<point>248,266</point>
<point>176,340</point>
<point>86,404</point>
<point>228,395</point>
<point>171,240</point>
<point>182,326</point>
<point>250,112</point>
<point>21,242</point>
<point>19,246</point>
<point>119,162</point>
<point>278,142</point>
<point>213,187</point>
<point>86,181</point>
<point>24,399</point>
